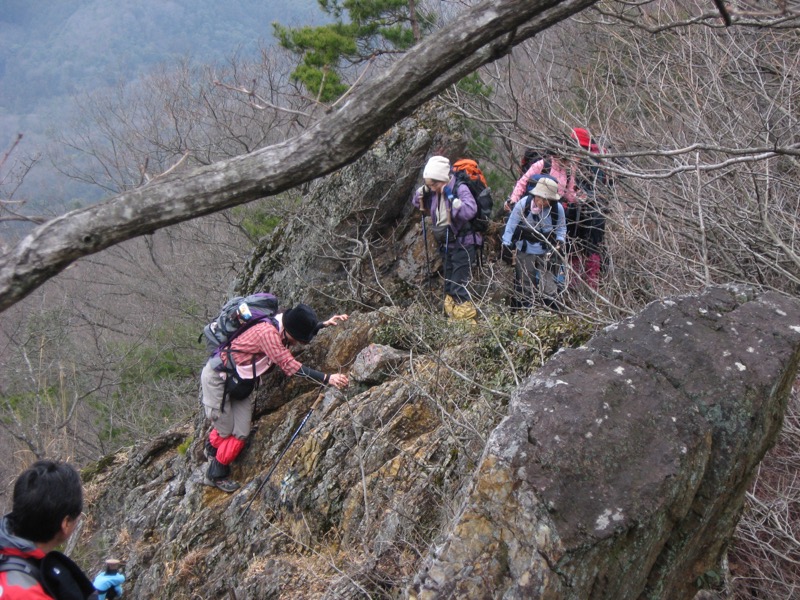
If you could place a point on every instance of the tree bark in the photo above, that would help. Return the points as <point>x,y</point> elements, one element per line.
<point>487,32</point>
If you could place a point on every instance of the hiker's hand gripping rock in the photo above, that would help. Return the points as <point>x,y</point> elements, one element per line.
<point>338,380</point>
<point>335,320</point>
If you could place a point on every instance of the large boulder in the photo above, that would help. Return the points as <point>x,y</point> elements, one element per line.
<point>621,468</point>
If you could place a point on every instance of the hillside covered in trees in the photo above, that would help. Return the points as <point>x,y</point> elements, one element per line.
<point>53,55</point>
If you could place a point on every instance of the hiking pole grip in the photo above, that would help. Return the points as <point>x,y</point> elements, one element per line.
<point>320,396</point>
<point>423,199</point>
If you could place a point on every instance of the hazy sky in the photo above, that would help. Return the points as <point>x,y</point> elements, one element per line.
<point>51,51</point>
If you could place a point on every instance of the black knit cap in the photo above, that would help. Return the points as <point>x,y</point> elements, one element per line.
<point>301,323</point>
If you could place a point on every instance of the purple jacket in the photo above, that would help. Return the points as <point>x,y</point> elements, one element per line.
<point>459,218</point>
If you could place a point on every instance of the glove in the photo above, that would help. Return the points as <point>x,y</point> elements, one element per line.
<point>422,194</point>
<point>457,203</point>
<point>507,254</point>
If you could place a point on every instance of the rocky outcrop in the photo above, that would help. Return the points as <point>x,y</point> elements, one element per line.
<point>355,238</point>
<point>622,466</point>
<point>618,470</point>
<point>352,503</point>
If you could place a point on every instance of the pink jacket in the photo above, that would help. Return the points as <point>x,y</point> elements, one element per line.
<point>564,176</point>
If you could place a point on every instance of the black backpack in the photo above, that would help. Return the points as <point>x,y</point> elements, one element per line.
<point>529,157</point>
<point>466,171</point>
<point>60,578</point>
<point>534,155</point>
<point>548,164</point>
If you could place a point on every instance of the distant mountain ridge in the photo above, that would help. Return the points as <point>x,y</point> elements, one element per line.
<point>51,52</point>
<point>56,48</point>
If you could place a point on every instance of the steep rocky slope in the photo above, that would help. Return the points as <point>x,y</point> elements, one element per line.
<point>452,467</point>
<point>618,471</point>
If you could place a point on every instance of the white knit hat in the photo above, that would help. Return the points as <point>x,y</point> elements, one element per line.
<point>546,188</point>
<point>438,169</point>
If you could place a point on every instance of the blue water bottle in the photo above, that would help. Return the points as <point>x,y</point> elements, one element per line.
<point>244,312</point>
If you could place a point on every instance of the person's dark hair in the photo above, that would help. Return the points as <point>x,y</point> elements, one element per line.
<point>44,494</point>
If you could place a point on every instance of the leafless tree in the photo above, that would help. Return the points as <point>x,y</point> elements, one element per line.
<point>764,559</point>
<point>14,167</point>
<point>107,353</point>
<point>180,116</point>
<point>123,324</point>
<point>699,122</point>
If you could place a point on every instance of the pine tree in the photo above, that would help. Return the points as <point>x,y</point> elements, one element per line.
<point>362,29</point>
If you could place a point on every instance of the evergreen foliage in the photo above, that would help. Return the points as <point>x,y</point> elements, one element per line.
<point>362,29</point>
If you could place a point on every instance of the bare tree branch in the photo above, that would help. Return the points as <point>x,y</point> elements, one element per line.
<point>262,102</point>
<point>8,152</point>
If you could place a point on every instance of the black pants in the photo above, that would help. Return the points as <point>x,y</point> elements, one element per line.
<point>457,260</point>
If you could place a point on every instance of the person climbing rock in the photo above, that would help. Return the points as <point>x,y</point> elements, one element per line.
<point>108,582</point>
<point>256,350</point>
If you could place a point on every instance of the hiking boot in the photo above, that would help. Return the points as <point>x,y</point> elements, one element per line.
<point>248,441</point>
<point>449,303</point>
<point>464,311</point>
<point>209,451</point>
<point>225,484</point>
<point>554,305</point>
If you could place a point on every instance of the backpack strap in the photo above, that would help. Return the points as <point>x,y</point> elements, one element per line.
<point>548,164</point>
<point>22,565</point>
<point>225,347</point>
<point>227,351</point>
<point>517,236</point>
<point>463,178</point>
<point>530,233</point>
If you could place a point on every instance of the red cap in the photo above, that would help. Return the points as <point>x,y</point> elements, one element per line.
<point>582,136</point>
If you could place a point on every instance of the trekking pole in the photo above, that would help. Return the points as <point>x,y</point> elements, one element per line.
<point>444,263</point>
<point>423,209</point>
<point>275,464</point>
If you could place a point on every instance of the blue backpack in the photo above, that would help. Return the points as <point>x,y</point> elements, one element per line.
<point>535,179</point>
